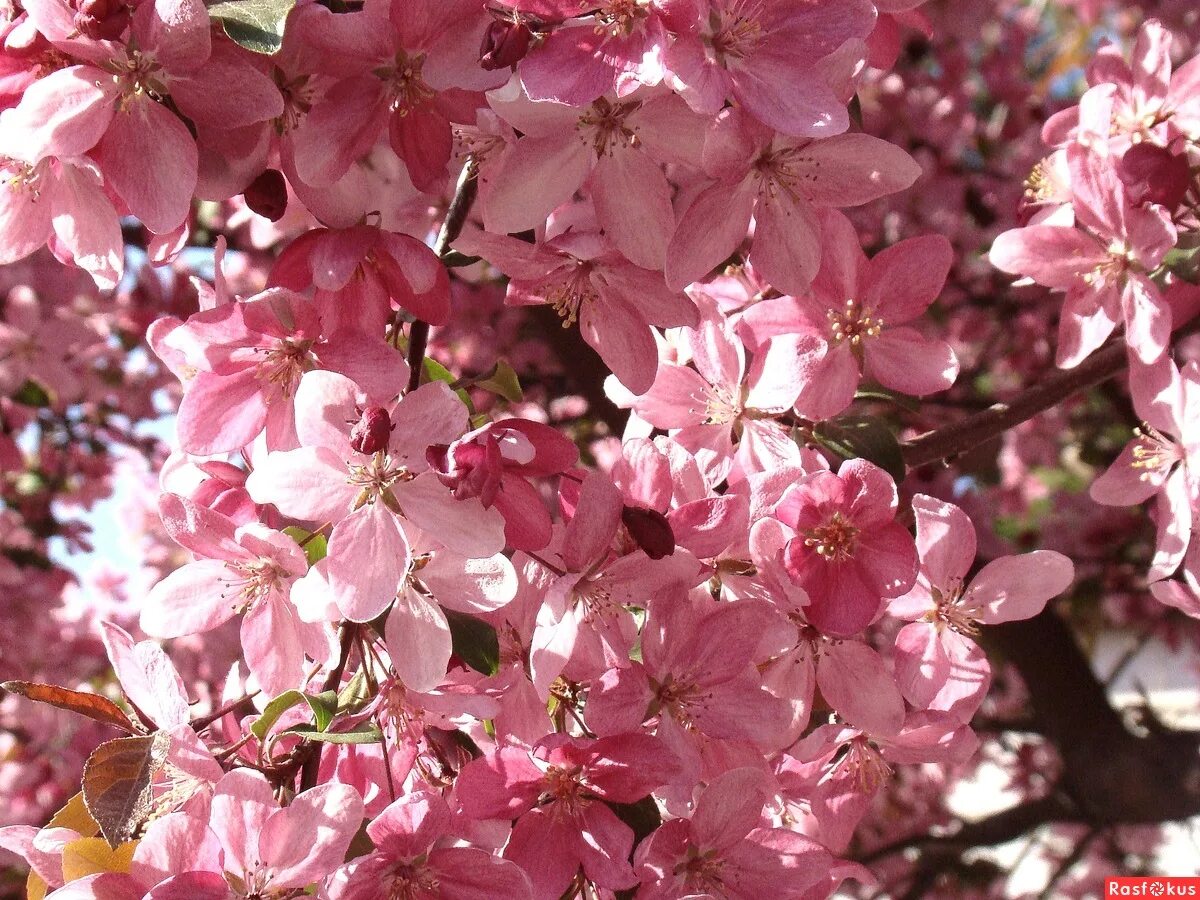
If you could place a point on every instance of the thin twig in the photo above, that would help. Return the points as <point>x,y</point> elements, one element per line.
<point>452,226</point>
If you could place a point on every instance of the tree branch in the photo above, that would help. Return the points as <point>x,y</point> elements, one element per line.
<point>452,226</point>
<point>959,437</point>
<point>1050,390</point>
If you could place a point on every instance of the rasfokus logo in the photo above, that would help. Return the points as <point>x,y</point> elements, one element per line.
<point>1151,886</point>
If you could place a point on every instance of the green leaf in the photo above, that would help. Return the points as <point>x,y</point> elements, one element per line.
<point>355,694</point>
<point>503,382</point>
<point>32,394</point>
<point>475,642</point>
<point>323,706</point>
<point>314,544</point>
<point>256,25</point>
<point>361,736</point>
<point>432,370</point>
<point>859,438</point>
<point>875,392</point>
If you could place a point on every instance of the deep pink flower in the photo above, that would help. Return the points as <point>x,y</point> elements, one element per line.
<point>556,792</point>
<point>849,553</point>
<point>413,69</point>
<point>360,274</point>
<point>586,281</point>
<point>493,463</point>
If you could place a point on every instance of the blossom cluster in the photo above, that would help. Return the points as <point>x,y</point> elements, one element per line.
<point>473,655</point>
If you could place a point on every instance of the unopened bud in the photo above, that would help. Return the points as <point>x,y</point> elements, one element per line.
<point>650,530</point>
<point>504,44</point>
<point>100,20</point>
<point>267,195</point>
<point>1153,174</point>
<point>372,431</point>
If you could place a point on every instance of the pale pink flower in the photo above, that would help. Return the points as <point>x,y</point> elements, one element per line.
<point>765,56</point>
<point>415,859</point>
<point>248,357</point>
<point>587,281</point>
<point>724,849</point>
<point>60,202</point>
<point>860,307</point>
<point>617,146</point>
<point>725,406</point>
<point>1160,462</point>
<point>1103,264</point>
<point>248,569</point>
<point>938,664</point>
<point>371,498</point>
<point>781,182</point>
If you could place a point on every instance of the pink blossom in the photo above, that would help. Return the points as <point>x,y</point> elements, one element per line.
<point>360,273</point>
<point>855,305</point>
<point>372,501</point>
<point>725,406</point>
<point>248,357</point>
<point>766,57</point>
<point>848,553</point>
<point>247,569</point>
<point>414,71</point>
<point>781,182</point>
<point>586,281</point>
<point>414,859</point>
<point>1103,264</point>
<point>493,463</point>
<point>1158,462</point>
<point>557,793</point>
<point>938,665</point>
<point>617,146</point>
<point>725,850</point>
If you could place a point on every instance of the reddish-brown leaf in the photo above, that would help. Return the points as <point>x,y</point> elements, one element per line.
<point>117,783</point>
<point>91,705</point>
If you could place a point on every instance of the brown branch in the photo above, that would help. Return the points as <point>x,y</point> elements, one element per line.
<point>959,437</point>
<point>452,226</point>
<point>1050,390</point>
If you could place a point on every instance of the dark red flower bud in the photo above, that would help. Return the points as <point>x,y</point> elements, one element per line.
<point>372,431</point>
<point>471,468</point>
<point>504,44</point>
<point>1154,174</point>
<point>267,195</point>
<point>650,530</point>
<point>100,20</point>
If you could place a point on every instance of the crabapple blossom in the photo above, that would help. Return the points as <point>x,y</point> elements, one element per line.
<point>460,601</point>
